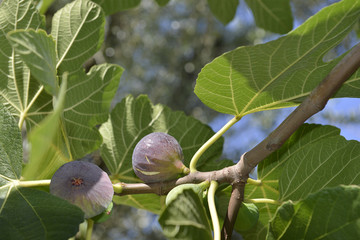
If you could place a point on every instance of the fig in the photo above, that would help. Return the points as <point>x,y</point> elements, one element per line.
<point>85,185</point>
<point>197,188</point>
<point>158,157</point>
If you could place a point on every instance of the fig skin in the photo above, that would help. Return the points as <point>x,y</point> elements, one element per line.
<point>158,157</point>
<point>83,184</point>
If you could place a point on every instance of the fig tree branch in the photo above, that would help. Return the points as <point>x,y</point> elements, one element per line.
<point>313,104</point>
<point>238,174</point>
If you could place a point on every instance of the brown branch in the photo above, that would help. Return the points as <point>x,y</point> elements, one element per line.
<point>238,174</point>
<point>313,104</point>
<point>236,199</point>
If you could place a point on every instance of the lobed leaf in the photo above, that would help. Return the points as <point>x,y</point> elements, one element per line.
<point>78,30</point>
<point>185,218</point>
<point>325,163</point>
<point>132,119</point>
<point>10,148</point>
<point>48,151</point>
<point>274,16</point>
<point>88,100</point>
<point>270,170</point>
<point>28,213</point>
<point>332,213</point>
<point>37,50</point>
<point>279,73</point>
<point>19,91</point>
<point>32,214</point>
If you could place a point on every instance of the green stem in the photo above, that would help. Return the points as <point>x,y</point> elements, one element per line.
<point>254,182</point>
<point>212,209</point>
<point>34,183</point>
<point>90,226</point>
<point>263,200</point>
<point>210,142</point>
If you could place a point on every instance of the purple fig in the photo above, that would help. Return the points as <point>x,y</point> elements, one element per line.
<point>85,185</point>
<point>158,157</point>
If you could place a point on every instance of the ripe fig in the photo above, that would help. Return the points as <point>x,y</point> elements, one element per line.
<point>83,184</point>
<point>158,157</point>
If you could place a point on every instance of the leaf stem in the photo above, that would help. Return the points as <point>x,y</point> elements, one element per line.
<point>254,182</point>
<point>263,200</point>
<point>210,142</point>
<point>34,183</point>
<point>212,209</point>
<point>90,226</point>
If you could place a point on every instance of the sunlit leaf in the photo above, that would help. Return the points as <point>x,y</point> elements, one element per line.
<point>37,50</point>
<point>185,218</point>
<point>279,73</point>
<point>48,151</point>
<point>88,100</point>
<point>273,15</point>
<point>270,171</point>
<point>10,147</point>
<point>28,213</point>
<point>20,92</point>
<point>113,6</point>
<point>78,30</point>
<point>332,213</point>
<point>224,10</point>
<point>326,163</point>
<point>132,119</point>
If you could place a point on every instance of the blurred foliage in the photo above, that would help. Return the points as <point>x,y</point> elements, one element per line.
<point>164,50</point>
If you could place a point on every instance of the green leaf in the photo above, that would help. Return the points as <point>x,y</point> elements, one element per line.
<point>270,171</point>
<point>150,202</point>
<point>114,6</point>
<point>28,213</point>
<point>325,163</point>
<point>274,15</point>
<point>223,10</point>
<point>162,2</point>
<point>32,214</point>
<point>88,100</point>
<point>37,50</point>
<point>10,147</point>
<point>48,152</point>
<point>20,92</point>
<point>332,213</point>
<point>185,218</point>
<point>132,119</point>
<point>248,214</point>
<point>78,29</point>
<point>279,73</point>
